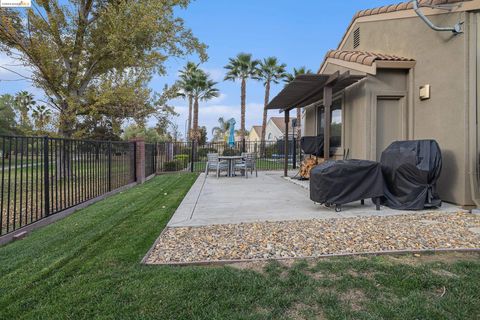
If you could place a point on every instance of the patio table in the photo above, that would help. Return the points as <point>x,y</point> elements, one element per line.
<point>231,162</point>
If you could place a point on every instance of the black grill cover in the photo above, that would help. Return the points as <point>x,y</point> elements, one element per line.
<point>312,145</point>
<point>344,181</point>
<point>411,170</point>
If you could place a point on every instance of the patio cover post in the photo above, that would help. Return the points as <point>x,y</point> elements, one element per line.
<point>285,144</point>
<point>327,103</point>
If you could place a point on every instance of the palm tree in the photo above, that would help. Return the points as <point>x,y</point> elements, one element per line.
<point>24,102</point>
<point>203,89</point>
<point>185,85</point>
<point>222,129</point>
<point>269,71</point>
<point>289,78</point>
<point>41,116</point>
<point>242,67</point>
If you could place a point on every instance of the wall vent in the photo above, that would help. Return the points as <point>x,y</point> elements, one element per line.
<point>356,38</point>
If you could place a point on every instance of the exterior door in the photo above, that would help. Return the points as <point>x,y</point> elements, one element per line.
<point>389,129</point>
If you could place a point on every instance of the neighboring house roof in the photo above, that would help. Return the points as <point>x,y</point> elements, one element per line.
<point>363,57</point>
<point>280,124</point>
<point>258,130</point>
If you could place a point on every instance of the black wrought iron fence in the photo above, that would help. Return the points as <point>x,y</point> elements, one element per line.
<point>150,159</point>
<point>189,156</point>
<point>42,176</point>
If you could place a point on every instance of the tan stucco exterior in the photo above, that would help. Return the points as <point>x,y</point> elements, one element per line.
<point>446,62</point>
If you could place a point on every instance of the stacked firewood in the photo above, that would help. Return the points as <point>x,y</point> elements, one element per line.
<point>307,165</point>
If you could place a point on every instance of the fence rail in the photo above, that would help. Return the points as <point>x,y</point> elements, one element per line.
<point>188,156</point>
<point>42,176</point>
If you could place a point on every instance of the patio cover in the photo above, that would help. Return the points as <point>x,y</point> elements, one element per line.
<point>309,88</point>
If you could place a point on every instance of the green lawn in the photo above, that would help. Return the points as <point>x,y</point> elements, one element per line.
<point>87,266</point>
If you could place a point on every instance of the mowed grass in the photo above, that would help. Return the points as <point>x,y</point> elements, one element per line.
<point>87,266</point>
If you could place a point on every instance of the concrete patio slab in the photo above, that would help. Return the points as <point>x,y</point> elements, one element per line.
<point>270,197</point>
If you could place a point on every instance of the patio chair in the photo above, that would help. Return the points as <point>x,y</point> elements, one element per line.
<point>213,163</point>
<point>247,164</point>
<point>251,162</point>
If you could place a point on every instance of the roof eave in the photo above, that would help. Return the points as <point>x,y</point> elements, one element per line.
<point>368,69</point>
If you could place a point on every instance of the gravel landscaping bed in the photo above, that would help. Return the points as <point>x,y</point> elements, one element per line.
<point>314,238</point>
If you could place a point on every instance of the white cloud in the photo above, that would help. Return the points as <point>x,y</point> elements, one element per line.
<point>218,99</point>
<point>216,74</point>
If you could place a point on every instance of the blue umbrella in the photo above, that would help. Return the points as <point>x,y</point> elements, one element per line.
<point>231,136</point>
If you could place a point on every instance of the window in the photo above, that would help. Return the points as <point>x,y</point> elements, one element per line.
<point>269,136</point>
<point>335,123</point>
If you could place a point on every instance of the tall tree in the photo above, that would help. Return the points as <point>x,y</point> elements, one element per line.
<point>41,117</point>
<point>74,46</point>
<point>24,103</point>
<point>219,132</point>
<point>186,85</point>
<point>269,71</point>
<point>289,78</point>
<point>203,90</point>
<point>8,122</point>
<point>242,68</point>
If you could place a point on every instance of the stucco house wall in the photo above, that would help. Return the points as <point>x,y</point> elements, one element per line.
<point>442,61</point>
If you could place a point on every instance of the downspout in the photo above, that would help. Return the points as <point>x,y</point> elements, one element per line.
<point>457,29</point>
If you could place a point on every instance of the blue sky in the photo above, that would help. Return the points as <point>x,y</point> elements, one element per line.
<point>298,33</point>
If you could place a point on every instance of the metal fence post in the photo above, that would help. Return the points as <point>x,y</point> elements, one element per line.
<point>46,178</point>
<point>135,178</point>
<point>294,160</point>
<point>155,156</point>
<point>192,156</point>
<point>109,166</point>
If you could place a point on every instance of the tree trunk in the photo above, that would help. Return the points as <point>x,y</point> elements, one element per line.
<point>190,103</point>
<point>264,120</point>
<point>299,123</point>
<point>195,133</point>
<point>242,116</point>
<point>66,121</point>
<point>66,129</point>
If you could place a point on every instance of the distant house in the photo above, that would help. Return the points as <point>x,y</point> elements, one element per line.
<point>255,134</point>
<point>275,129</point>
<point>396,76</point>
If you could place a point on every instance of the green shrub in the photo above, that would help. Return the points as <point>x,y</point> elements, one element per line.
<point>202,152</point>
<point>182,157</point>
<point>271,149</point>
<point>175,165</point>
<point>231,152</point>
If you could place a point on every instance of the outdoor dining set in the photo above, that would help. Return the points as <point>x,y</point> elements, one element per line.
<point>231,164</point>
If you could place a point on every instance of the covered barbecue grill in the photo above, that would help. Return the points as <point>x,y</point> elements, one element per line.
<point>312,145</point>
<point>343,181</point>
<point>411,170</point>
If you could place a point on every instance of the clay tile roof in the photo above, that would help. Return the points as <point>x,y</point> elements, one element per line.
<point>398,7</point>
<point>402,6</point>
<point>363,57</point>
